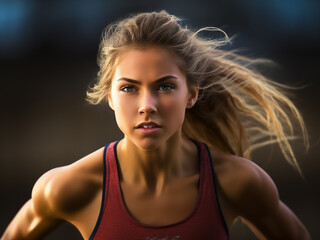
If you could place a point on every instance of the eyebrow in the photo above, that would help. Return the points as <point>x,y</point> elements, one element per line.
<point>162,79</point>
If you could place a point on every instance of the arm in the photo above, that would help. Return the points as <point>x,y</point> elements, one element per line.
<point>29,224</point>
<point>265,214</point>
<point>37,217</point>
<point>292,229</point>
<point>71,193</point>
<point>252,196</point>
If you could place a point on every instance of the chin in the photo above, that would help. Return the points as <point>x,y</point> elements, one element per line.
<point>148,144</point>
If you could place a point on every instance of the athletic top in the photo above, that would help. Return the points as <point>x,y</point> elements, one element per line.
<point>115,222</point>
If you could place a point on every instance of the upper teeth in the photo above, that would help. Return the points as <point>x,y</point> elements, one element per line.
<point>147,126</point>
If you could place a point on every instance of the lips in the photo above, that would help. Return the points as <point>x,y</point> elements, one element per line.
<point>147,125</point>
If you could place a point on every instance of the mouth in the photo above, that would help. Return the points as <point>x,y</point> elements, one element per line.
<point>147,125</point>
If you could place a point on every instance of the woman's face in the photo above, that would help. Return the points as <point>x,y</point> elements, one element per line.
<point>149,95</point>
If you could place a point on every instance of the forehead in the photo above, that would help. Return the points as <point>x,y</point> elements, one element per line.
<point>146,62</point>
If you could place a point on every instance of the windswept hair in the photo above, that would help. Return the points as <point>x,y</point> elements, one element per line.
<point>238,109</point>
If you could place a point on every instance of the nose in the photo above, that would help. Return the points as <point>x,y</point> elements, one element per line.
<point>148,103</point>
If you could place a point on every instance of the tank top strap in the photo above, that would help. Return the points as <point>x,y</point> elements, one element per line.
<point>210,179</point>
<point>111,164</point>
<point>109,169</point>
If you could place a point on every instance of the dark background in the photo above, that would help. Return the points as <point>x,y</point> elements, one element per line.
<point>48,58</point>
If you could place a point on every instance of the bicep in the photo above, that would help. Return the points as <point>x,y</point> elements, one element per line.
<point>266,215</point>
<point>249,193</point>
<point>28,224</point>
<point>37,217</point>
<point>278,224</point>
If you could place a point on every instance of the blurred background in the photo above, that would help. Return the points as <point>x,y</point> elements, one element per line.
<point>48,59</point>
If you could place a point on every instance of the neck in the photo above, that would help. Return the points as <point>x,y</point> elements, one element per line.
<point>154,169</point>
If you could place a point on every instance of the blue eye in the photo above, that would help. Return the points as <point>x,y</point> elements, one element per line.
<point>128,88</point>
<point>166,87</point>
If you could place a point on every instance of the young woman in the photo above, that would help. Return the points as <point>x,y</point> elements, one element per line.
<point>190,114</point>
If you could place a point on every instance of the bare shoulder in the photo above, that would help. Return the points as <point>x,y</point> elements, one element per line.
<point>65,190</point>
<point>247,191</point>
<point>243,182</point>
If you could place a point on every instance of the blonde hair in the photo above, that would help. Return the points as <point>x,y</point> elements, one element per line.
<point>238,109</point>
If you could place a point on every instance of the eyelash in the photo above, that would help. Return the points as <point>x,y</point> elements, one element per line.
<point>123,89</point>
<point>167,85</point>
<point>133,88</point>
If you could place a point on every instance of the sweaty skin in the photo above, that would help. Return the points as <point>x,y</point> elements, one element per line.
<point>156,168</point>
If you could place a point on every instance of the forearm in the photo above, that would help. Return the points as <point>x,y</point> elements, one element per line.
<point>27,225</point>
<point>301,235</point>
<point>255,230</point>
<point>282,225</point>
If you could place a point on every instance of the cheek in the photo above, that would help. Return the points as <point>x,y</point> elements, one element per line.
<point>175,107</point>
<point>123,110</point>
<point>124,107</point>
<point>172,105</point>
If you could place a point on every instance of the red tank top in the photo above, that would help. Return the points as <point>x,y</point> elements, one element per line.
<point>115,222</point>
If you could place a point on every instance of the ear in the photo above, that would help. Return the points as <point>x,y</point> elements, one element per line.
<point>193,97</point>
<point>110,101</point>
